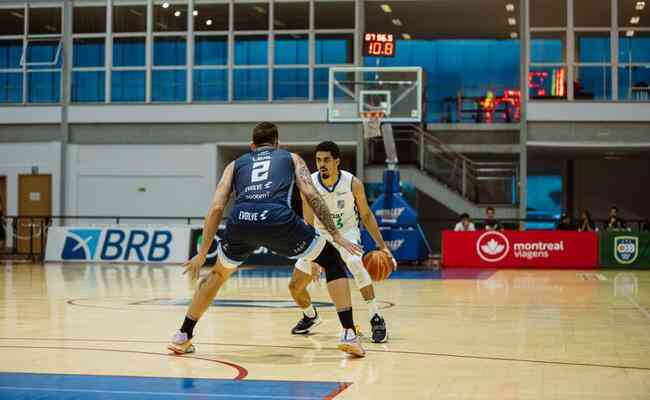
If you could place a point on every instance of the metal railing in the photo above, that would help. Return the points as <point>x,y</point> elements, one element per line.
<point>479,182</point>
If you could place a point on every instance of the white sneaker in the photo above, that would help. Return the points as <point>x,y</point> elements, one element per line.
<point>181,343</point>
<point>350,343</point>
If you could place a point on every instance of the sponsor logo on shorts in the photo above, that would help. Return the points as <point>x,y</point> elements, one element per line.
<point>626,249</point>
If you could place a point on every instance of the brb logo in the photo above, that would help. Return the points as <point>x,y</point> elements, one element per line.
<point>492,246</point>
<point>117,244</point>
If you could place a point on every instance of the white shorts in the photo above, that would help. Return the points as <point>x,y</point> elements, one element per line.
<point>353,236</point>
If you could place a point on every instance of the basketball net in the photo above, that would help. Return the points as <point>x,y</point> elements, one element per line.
<point>371,123</point>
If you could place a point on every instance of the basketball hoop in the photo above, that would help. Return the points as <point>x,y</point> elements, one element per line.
<point>371,123</point>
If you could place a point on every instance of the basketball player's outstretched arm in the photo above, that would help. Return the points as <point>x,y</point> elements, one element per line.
<point>367,217</point>
<point>318,206</point>
<point>212,219</point>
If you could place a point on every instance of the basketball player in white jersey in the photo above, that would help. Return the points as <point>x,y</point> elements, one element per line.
<point>346,199</point>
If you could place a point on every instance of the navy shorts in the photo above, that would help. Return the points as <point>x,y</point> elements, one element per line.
<point>294,239</point>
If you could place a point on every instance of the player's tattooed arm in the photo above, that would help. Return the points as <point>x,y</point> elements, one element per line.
<point>311,195</point>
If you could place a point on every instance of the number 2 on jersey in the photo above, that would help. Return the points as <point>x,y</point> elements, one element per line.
<point>260,171</point>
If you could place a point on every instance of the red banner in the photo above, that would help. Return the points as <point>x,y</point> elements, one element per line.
<point>520,249</point>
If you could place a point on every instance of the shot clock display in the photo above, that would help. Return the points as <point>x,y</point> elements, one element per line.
<point>379,44</point>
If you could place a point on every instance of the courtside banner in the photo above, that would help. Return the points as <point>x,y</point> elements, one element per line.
<point>117,244</point>
<point>625,250</point>
<point>520,249</point>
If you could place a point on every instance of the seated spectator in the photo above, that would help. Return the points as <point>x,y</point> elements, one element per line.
<point>565,224</point>
<point>614,222</point>
<point>465,224</point>
<point>491,223</point>
<point>586,224</point>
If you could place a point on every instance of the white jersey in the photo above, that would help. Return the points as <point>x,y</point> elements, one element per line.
<point>340,201</point>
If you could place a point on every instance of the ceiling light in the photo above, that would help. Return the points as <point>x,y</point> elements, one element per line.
<point>514,35</point>
<point>629,33</point>
<point>195,13</point>
<point>165,5</point>
<point>640,5</point>
<point>406,36</point>
<point>635,20</point>
<point>177,14</point>
<point>260,9</point>
<point>397,22</point>
<point>386,8</point>
<point>512,21</point>
<point>510,7</point>
<point>208,22</point>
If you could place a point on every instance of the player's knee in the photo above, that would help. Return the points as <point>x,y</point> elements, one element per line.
<point>359,272</point>
<point>297,284</point>
<point>331,261</point>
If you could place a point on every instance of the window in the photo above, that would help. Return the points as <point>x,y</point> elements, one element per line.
<point>334,49</point>
<point>334,15</point>
<point>547,83</point>
<point>634,47</point>
<point>593,83</point>
<point>210,85</point>
<point>547,47</point>
<point>634,83</point>
<point>89,20</point>
<point>290,83</point>
<point>169,85</point>
<point>88,86</point>
<point>88,52</point>
<point>12,21</point>
<point>169,17</point>
<point>128,51</point>
<point>210,17</point>
<point>251,16</point>
<point>43,86</point>
<point>548,13</point>
<point>590,13</point>
<point>321,81</point>
<point>251,84</point>
<point>10,53</point>
<point>210,50</point>
<point>291,16</point>
<point>251,50</point>
<point>291,49</point>
<point>169,51</point>
<point>128,86</point>
<point>593,47</point>
<point>129,18</point>
<point>11,87</point>
<point>45,21</point>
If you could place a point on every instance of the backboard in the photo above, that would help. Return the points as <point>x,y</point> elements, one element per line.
<point>396,91</point>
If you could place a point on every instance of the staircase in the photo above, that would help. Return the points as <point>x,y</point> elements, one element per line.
<point>452,179</point>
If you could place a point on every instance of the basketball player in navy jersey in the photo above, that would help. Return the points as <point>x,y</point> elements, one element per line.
<point>346,199</point>
<point>262,182</point>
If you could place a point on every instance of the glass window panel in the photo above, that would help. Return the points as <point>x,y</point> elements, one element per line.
<point>169,51</point>
<point>211,50</point>
<point>548,13</point>
<point>169,85</point>
<point>88,53</point>
<point>251,16</point>
<point>89,20</point>
<point>172,18</point>
<point>44,51</point>
<point>593,47</point>
<point>43,87</point>
<point>547,83</point>
<point>592,13</point>
<point>627,10</point>
<point>334,49</point>
<point>210,85</point>
<point>593,83</point>
<point>635,48</point>
<point>129,52</point>
<point>321,79</point>
<point>290,84</point>
<point>334,15</point>
<point>291,49</point>
<point>11,87</point>
<point>129,19</point>
<point>128,86</point>
<point>211,17</point>
<point>12,21</point>
<point>291,15</point>
<point>547,47</point>
<point>251,50</point>
<point>251,84</point>
<point>10,53</point>
<point>88,86</point>
<point>634,83</point>
<point>44,21</point>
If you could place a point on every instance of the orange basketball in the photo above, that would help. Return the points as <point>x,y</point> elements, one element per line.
<point>379,265</point>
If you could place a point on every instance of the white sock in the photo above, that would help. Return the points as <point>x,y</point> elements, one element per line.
<point>373,309</point>
<point>309,311</point>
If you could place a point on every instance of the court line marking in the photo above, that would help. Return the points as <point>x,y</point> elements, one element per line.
<point>241,371</point>
<point>638,306</point>
<point>181,394</point>
<point>406,352</point>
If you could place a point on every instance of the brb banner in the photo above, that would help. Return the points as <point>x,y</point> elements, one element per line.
<point>114,244</point>
<point>515,249</point>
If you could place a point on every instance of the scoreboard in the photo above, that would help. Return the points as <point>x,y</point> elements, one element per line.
<point>379,44</point>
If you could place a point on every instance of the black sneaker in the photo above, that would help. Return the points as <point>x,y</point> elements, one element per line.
<point>379,333</point>
<point>305,324</point>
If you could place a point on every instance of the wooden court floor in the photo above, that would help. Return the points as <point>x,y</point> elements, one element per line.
<point>100,331</point>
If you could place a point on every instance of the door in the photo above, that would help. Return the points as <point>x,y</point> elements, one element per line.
<point>34,200</point>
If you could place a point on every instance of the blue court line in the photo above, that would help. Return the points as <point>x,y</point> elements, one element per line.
<point>19,386</point>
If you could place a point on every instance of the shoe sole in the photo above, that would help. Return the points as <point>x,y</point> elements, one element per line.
<point>306,331</point>
<point>384,340</point>
<point>353,350</point>
<point>179,351</point>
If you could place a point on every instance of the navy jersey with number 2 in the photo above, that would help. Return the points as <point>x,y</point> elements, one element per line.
<point>263,182</point>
